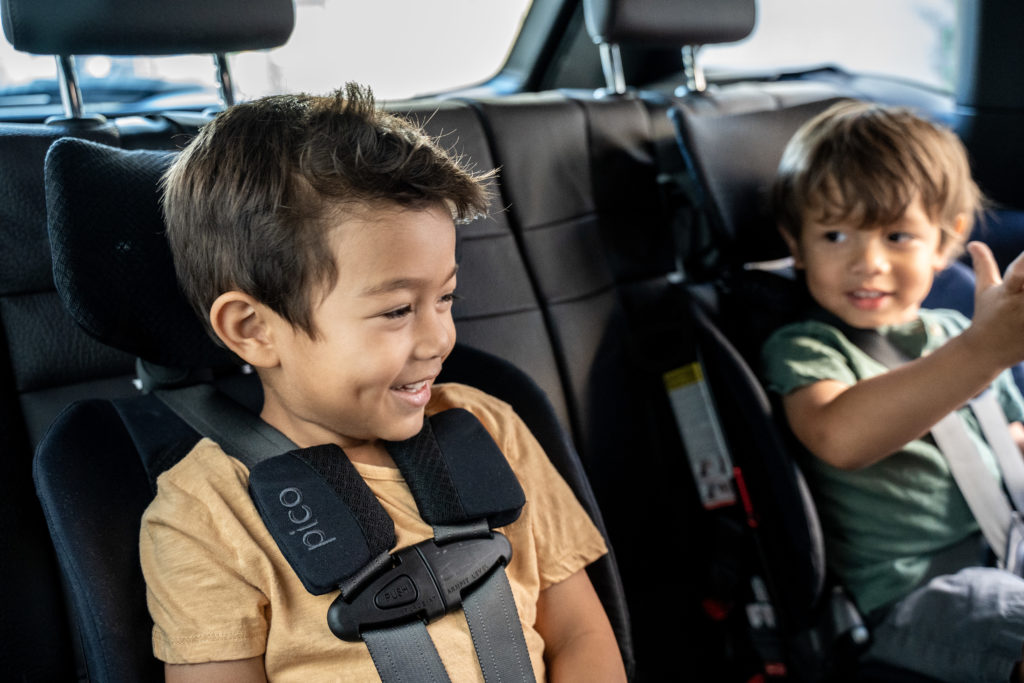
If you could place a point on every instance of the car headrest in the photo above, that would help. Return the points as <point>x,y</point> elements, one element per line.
<point>145,27</point>
<point>669,23</point>
<point>111,262</point>
<point>734,145</point>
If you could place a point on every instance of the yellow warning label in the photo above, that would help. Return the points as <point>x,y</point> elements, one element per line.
<point>681,377</point>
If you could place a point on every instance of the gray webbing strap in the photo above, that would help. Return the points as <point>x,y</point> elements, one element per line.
<point>405,654</point>
<point>980,489</point>
<point>492,616</point>
<point>993,425</point>
<point>497,634</point>
<point>236,429</point>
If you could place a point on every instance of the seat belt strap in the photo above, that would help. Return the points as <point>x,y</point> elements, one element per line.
<point>447,440</point>
<point>983,493</point>
<point>996,430</point>
<point>405,654</point>
<point>980,489</point>
<point>239,432</point>
<point>497,635</point>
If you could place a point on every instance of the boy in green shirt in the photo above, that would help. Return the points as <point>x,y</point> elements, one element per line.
<point>873,202</point>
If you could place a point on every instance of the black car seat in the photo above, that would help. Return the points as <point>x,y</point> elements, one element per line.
<point>766,552</point>
<point>45,361</point>
<point>114,273</point>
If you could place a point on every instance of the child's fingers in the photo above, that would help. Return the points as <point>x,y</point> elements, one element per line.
<point>986,270</point>
<point>1014,277</point>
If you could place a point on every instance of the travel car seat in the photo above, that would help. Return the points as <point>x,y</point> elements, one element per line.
<point>735,142</point>
<point>95,468</point>
<point>731,136</point>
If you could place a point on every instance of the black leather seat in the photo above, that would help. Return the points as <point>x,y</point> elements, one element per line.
<point>731,138</point>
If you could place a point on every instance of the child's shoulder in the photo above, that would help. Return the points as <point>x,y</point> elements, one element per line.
<point>490,410</point>
<point>206,477</point>
<point>497,417</point>
<point>946,320</point>
<point>205,463</point>
<point>801,332</point>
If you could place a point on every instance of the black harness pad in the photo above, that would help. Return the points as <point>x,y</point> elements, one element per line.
<point>328,523</point>
<point>457,473</point>
<point>325,519</point>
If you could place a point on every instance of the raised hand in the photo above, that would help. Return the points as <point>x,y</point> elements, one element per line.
<point>998,326</point>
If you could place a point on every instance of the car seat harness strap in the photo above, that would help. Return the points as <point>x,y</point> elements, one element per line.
<point>336,535</point>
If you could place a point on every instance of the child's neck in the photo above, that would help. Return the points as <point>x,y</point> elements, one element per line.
<point>370,453</point>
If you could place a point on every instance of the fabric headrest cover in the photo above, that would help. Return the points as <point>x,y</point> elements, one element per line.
<point>145,27</point>
<point>669,23</point>
<point>111,262</point>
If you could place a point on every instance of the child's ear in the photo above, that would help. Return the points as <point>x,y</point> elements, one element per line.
<point>794,247</point>
<point>953,245</point>
<point>960,226</point>
<point>243,324</point>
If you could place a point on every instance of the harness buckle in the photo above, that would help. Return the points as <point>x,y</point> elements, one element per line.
<point>423,581</point>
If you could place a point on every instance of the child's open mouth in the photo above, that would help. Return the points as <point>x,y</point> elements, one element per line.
<point>867,299</point>
<point>414,393</point>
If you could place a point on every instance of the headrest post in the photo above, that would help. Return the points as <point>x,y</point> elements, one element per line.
<point>70,93</point>
<point>692,71</point>
<point>224,81</point>
<point>611,64</point>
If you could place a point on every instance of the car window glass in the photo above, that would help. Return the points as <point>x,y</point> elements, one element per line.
<point>401,48</point>
<point>905,39</point>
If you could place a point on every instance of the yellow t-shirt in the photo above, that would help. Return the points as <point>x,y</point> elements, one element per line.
<point>219,588</point>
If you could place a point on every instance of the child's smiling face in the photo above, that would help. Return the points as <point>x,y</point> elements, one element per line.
<point>382,333</point>
<point>874,275</point>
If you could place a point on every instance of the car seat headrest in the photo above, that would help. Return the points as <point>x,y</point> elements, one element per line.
<point>111,262</point>
<point>145,27</point>
<point>669,23</point>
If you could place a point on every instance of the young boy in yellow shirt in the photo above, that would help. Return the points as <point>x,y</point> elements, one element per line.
<point>316,238</point>
<point>873,202</point>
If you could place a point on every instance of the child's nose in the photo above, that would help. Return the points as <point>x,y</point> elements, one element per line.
<point>435,335</point>
<point>872,258</point>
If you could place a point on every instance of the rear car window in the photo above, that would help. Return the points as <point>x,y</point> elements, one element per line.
<point>401,48</point>
<point>910,40</point>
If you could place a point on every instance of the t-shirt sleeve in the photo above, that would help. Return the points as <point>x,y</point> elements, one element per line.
<point>203,607</point>
<point>793,358</point>
<point>565,538</point>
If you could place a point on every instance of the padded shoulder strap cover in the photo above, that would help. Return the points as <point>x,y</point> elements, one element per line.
<point>325,519</point>
<point>328,523</point>
<point>457,473</point>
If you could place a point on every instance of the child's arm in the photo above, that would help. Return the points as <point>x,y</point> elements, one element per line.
<point>854,426</point>
<point>241,671</point>
<point>578,641</point>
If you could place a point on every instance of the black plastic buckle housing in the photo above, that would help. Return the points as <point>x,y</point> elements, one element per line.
<point>425,582</point>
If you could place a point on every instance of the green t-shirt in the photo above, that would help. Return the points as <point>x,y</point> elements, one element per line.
<point>884,523</point>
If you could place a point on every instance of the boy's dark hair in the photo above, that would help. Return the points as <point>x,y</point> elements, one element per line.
<point>250,202</point>
<point>868,162</point>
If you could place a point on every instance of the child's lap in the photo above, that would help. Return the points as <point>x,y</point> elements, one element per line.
<point>967,626</point>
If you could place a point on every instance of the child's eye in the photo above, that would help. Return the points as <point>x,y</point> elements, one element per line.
<point>835,236</point>
<point>397,313</point>
<point>900,237</point>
